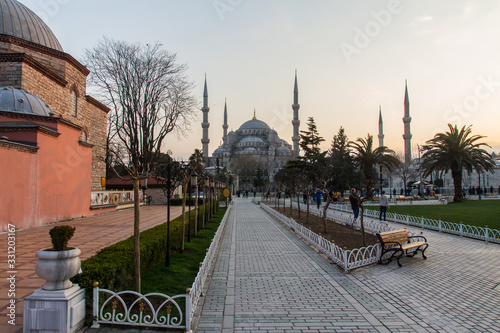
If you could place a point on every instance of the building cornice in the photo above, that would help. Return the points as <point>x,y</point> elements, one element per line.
<point>47,50</point>
<point>18,146</point>
<point>97,104</point>
<point>29,60</point>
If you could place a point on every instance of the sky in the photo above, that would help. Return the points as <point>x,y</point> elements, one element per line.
<point>350,56</point>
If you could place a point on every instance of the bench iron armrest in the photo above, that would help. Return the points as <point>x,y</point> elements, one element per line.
<point>425,239</point>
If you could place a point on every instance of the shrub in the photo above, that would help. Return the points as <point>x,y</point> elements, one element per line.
<point>113,266</point>
<point>60,235</point>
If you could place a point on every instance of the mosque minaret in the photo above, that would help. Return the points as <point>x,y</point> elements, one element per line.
<point>406,121</point>
<point>380,128</point>
<point>296,121</point>
<point>225,126</point>
<point>205,124</point>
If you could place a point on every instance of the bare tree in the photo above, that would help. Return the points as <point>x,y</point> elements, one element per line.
<point>406,171</point>
<point>150,97</point>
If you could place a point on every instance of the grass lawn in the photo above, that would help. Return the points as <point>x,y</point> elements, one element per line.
<point>184,267</point>
<point>473,212</point>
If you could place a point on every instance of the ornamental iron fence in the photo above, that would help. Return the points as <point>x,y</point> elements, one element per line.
<point>346,259</point>
<point>463,230</point>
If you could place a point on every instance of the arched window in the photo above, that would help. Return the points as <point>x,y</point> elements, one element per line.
<point>74,103</point>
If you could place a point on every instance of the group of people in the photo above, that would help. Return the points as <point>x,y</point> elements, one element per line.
<point>244,193</point>
<point>318,196</point>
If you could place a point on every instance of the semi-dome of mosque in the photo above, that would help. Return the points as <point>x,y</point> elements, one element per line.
<point>219,150</point>
<point>20,101</point>
<point>251,139</point>
<point>19,21</point>
<point>283,149</point>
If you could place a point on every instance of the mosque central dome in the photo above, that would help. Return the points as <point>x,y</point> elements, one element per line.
<point>254,124</point>
<point>19,21</point>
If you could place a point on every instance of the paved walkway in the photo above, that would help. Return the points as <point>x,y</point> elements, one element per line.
<point>91,234</point>
<point>266,279</point>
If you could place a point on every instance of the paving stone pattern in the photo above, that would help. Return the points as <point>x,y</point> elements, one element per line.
<point>91,234</point>
<point>266,279</point>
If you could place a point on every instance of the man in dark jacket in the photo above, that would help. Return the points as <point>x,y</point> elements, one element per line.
<point>354,199</point>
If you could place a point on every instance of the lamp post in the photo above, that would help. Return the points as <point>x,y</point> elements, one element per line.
<point>189,210</point>
<point>194,185</point>
<point>204,200</point>
<point>211,197</point>
<point>144,187</point>
<point>479,186</point>
<point>214,199</point>
<point>217,196</point>
<point>380,172</point>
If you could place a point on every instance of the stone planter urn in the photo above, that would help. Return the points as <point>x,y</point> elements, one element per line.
<point>57,267</point>
<point>59,306</point>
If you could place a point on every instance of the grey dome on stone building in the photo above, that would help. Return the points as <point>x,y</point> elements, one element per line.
<point>253,141</point>
<point>254,124</point>
<point>255,138</point>
<point>20,101</point>
<point>19,21</point>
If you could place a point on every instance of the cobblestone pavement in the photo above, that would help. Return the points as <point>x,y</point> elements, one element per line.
<point>91,234</point>
<point>266,279</point>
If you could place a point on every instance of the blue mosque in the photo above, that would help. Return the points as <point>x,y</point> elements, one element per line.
<point>253,138</point>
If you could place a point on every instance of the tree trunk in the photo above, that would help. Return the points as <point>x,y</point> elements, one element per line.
<point>291,205</point>
<point>284,202</point>
<point>278,200</point>
<point>183,224</point>
<point>204,208</point>
<point>361,212</point>
<point>457,183</point>
<point>298,204</point>
<point>307,213</point>
<point>137,249</point>
<point>325,224</point>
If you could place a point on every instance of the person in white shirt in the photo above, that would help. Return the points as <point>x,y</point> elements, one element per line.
<point>384,203</point>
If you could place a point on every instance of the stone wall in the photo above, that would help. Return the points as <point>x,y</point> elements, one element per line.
<point>157,196</point>
<point>10,74</point>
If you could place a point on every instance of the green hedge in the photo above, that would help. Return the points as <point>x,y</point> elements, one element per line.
<point>113,266</point>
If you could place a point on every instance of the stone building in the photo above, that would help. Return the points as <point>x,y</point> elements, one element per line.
<point>35,69</point>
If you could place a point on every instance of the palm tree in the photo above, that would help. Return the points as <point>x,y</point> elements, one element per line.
<point>456,151</point>
<point>366,158</point>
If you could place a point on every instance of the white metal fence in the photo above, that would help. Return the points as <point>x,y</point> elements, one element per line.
<point>486,234</point>
<point>134,309</point>
<point>199,282</point>
<point>346,259</point>
<point>155,309</point>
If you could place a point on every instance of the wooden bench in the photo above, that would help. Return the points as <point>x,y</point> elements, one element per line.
<point>398,241</point>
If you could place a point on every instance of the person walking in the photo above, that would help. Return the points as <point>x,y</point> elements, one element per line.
<point>317,197</point>
<point>354,199</point>
<point>384,203</point>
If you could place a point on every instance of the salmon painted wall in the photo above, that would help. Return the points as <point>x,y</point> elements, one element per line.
<point>19,184</point>
<point>49,186</point>
<point>64,183</point>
